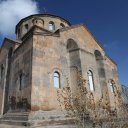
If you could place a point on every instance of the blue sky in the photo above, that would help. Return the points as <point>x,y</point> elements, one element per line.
<point>106,19</point>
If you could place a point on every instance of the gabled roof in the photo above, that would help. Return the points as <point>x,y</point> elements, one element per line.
<point>10,41</point>
<point>79,25</point>
<point>7,43</point>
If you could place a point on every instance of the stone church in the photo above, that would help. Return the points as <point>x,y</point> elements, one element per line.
<point>35,65</point>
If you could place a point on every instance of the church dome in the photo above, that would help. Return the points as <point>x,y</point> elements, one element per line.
<point>46,21</point>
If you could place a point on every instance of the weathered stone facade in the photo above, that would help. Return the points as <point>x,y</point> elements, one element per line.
<point>125,94</point>
<point>29,62</point>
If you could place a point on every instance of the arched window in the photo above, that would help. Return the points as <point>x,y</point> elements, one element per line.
<point>26,27</point>
<point>111,84</point>
<point>62,25</point>
<point>56,80</point>
<point>51,25</point>
<point>90,80</point>
<point>18,32</point>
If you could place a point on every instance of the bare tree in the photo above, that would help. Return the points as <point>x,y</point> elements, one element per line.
<point>81,105</point>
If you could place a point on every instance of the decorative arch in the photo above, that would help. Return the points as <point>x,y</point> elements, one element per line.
<point>74,61</point>
<point>100,64</point>
<point>71,44</point>
<point>98,55</point>
<point>74,53</point>
<point>102,76</point>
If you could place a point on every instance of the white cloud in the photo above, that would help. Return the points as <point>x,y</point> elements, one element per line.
<point>12,11</point>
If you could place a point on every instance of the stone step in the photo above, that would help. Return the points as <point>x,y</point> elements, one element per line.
<point>15,116</point>
<point>18,118</point>
<point>23,118</point>
<point>14,122</point>
<point>16,113</point>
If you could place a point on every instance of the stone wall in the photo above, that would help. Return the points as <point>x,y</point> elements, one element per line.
<point>20,76</point>
<point>49,56</point>
<point>3,64</point>
<point>125,94</point>
<point>87,46</point>
<point>51,53</point>
<point>5,54</point>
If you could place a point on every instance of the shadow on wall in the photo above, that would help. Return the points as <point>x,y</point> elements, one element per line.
<point>20,105</point>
